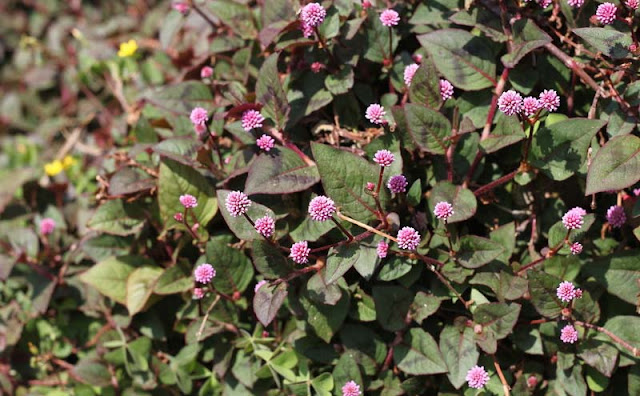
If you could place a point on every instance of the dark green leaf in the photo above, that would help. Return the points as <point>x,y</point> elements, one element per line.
<point>616,165</point>
<point>418,354</point>
<point>476,251</point>
<point>428,128</point>
<point>610,42</point>
<point>280,171</point>
<point>463,201</point>
<point>270,94</point>
<point>459,352</point>
<point>267,302</point>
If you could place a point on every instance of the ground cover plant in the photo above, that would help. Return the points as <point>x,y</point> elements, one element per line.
<point>274,197</point>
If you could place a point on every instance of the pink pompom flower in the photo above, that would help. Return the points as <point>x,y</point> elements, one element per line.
<point>251,119</point>
<point>383,158</point>
<point>532,381</point>
<point>573,219</point>
<point>198,293</point>
<point>265,142</point>
<point>382,249</point>
<point>477,377</point>
<point>199,129</point>
<point>549,100</point>
<point>321,208</point>
<point>312,14</point>
<point>180,6</point>
<point>569,334</point>
<point>188,201</point>
<point>317,66</point>
<point>576,248</point>
<point>351,389</point>
<point>616,216</point>
<point>443,210</point>
<point>389,18</point>
<point>566,291</point>
<point>409,72</point>
<point>375,113</point>
<point>575,3</point>
<point>417,58</point>
<point>204,273</point>
<point>265,226</point>
<point>408,238</point>
<point>578,293</point>
<point>178,217</point>
<point>370,186</point>
<point>446,89</point>
<point>606,13</point>
<point>544,3</point>
<point>510,103</point>
<point>259,285</point>
<point>397,184</point>
<point>199,116</point>
<point>237,203</point>
<point>530,105</point>
<point>300,252</point>
<point>206,72</point>
<point>47,225</point>
<point>633,4</point>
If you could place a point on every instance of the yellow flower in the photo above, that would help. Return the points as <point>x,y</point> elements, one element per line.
<point>67,162</point>
<point>53,168</point>
<point>127,49</point>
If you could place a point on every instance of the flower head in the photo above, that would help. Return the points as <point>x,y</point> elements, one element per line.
<point>477,377</point>
<point>198,293</point>
<point>633,4</point>
<point>636,192</point>
<point>549,100</point>
<point>417,58</point>
<point>199,129</point>
<point>569,334</point>
<point>576,248</point>
<point>510,103</point>
<point>53,168</point>
<point>237,203</point>
<point>408,238</point>
<point>409,72</point>
<point>300,252</point>
<point>443,210</point>
<point>68,161</point>
<point>575,3</point>
<point>199,116</point>
<point>47,225</point>
<point>206,72</point>
<point>530,106</point>
<point>616,216</point>
<point>265,226</point>
<point>204,273</point>
<point>265,142</point>
<point>578,293</point>
<point>397,184</point>
<point>389,18</point>
<point>188,201</point>
<point>127,48</point>
<point>178,217</point>
<point>375,113</point>
<point>532,381</point>
<point>566,291</point>
<point>382,249</point>
<point>321,208</point>
<point>383,157</point>
<point>573,219</point>
<point>606,13</point>
<point>251,119</point>
<point>259,285</point>
<point>370,186</point>
<point>312,15</point>
<point>544,3</point>
<point>180,6</point>
<point>446,89</point>
<point>351,389</point>
<point>317,66</point>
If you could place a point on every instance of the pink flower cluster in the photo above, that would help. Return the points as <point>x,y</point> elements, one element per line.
<point>633,4</point>
<point>351,389</point>
<point>259,285</point>
<point>616,216</point>
<point>477,377</point>
<point>321,208</point>
<point>576,248</point>
<point>204,273</point>
<point>198,293</point>
<point>397,184</point>
<point>443,210</point>
<point>409,72</point>
<point>569,334</point>
<point>206,72</point>
<point>408,238</point>
<point>383,158</point>
<point>311,16</point>
<point>511,102</point>
<point>252,119</point>
<point>382,249</point>
<point>300,252</point>
<point>180,6</point>
<point>389,18</point>
<point>199,116</point>
<point>375,113</point>
<point>47,225</point>
<point>566,291</point>
<point>574,218</point>
<point>606,13</point>
<point>530,106</point>
<point>446,89</point>
<point>265,226</point>
<point>266,142</point>
<point>237,203</point>
<point>575,3</point>
<point>188,201</point>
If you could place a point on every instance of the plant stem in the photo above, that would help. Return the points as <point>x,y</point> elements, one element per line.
<point>634,351</point>
<point>323,43</point>
<point>344,230</point>
<point>505,386</point>
<point>316,267</point>
<point>376,197</point>
<point>446,230</point>
<point>498,182</point>
<point>549,254</point>
<point>390,45</point>
<point>366,227</point>
<point>205,16</point>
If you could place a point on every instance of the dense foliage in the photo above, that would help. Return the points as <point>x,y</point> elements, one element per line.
<point>338,198</point>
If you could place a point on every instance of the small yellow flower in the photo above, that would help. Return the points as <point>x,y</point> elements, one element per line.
<point>54,167</point>
<point>128,48</point>
<point>67,162</point>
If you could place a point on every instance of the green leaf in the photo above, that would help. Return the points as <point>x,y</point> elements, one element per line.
<point>508,131</point>
<point>418,354</point>
<point>340,259</point>
<point>344,177</point>
<point>619,273</point>
<point>392,305</point>
<point>428,128</point>
<point>322,292</point>
<point>92,372</point>
<point>497,318</point>
<point>571,380</point>
<point>280,171</point>
<point>377,46</point>
<point>625,327</point>
<point>176,279</point>
<point>424,305</point>
<point>322,384</point>
<point>140,284</point>
<point>270,94</point>
<point>459,352</point>
<point>527,36</point>
<point>425,85</point>
<point>483,19</point>
<point>181,98</point>
<point>542,288</point>
<point>395,267</point>
<point>560,150</point>
<point>239,225</point>
<point>414,196</point>
<point>599,355</point>
<point>269,260</point>
<point>461,58</point>
<point>505,285</point>
<point>234,271</point>
<point>341,82</point>
<point>109,277</point>
<point>234,15</point>
<point>267,301</point>
<point>476,251</point>
<point>117,218</point>
<point>346,370</point>
<point>616,165</point>
<point>325,320</point>
<point>610,42</point>
<point>463,201</point>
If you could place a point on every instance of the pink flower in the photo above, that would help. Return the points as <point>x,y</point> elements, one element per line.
<point>199,129</point>
<point>636,192</point>
<point>47,225</point>
<point>237,203</point>
<point>204,273</point>
<point>383,158</point>
<point>510,103</point>
<point>576,248</point>
<point>300,252</point>
<point>375,113</point>
<point>312,14</point>
<point>409,72</point>
<point>566,291</point>
<point>606,13</point>
<point>532,381</point>
<point>178,217</point>
<point>351,389</point>
<point>443,210</point>
<point>206,72</point>
<point>417,58</point>
<point>251,119</point>
<point>477,377</point>
<point>181,7</point>
<point>188,201</point>
<point>307,31</point>
<point>259,285</point>
<point>530,105</point>
<point>321,208</point>
<point>389,18</point>
<point>366,4</point>
<point>265,226</point>
<point>616,216</point>
<point>544,3</point>
<point>265,142</point>
<point>408,238</point>
<point>573,219</point>
<point>549,99</point>
<point>575,3</point>
<point>199,116</point>
<point>633,4</point>
<point>568,334</point>
<point>316,67</point>
<point>382,249</point>
<point>370,186</point>
<point>198,293</point>
<point>578,293</point>
<point>397,184</point>
<point>446,89</point>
